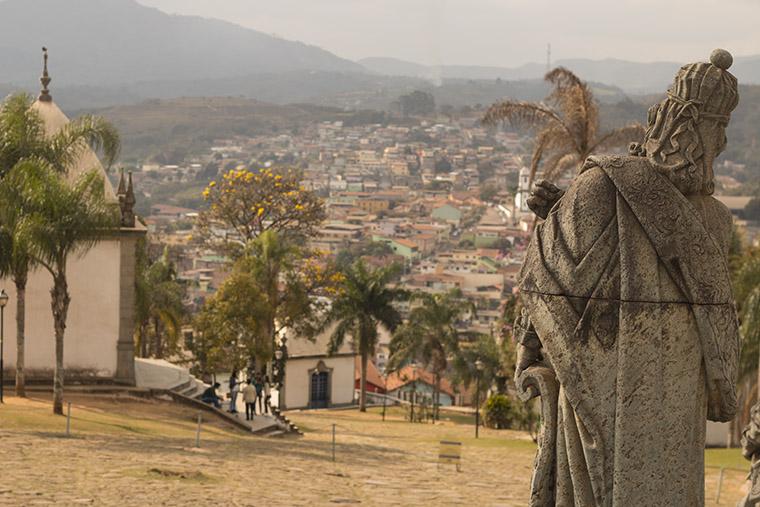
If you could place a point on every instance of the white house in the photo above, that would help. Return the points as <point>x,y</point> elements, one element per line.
<point>99,341</point>
<point>315,380</point>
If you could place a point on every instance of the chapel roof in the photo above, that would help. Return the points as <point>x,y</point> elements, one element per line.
<point>54,120</point>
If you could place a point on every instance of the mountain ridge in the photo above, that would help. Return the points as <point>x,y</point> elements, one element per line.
<point>117,42</point>
<point>632,77</point>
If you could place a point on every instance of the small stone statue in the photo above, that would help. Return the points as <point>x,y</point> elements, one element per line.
<point>751,451</point>
<point>126,195</point>
<point>630,333</point>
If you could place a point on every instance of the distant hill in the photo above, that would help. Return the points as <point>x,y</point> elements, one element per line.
<point>631,77</point>
<point>120,42</point>
<point>174,128</point>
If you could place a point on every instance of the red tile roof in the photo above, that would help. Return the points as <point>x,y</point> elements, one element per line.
<point>373,376</point>
<point>405,376</point>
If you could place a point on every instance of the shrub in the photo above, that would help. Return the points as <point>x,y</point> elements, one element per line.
<point>500,412</point>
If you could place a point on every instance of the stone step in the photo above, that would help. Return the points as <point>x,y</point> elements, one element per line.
<point>159,374</point>
<point>181,387</point>
<point>191,391</point>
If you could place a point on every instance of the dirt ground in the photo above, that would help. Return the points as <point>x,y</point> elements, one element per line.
<point>133,452</point>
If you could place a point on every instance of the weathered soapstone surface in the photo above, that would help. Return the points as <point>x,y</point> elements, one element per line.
<point>751,451</point>
<point>629,331</point>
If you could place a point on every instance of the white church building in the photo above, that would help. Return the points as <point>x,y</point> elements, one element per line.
<point>99,343</point>
<point>523,192</point>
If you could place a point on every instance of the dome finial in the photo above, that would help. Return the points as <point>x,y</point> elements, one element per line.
<point>721,59</point>
<point>45,79</point>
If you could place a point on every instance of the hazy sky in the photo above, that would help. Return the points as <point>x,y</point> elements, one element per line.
<point>498,32</point>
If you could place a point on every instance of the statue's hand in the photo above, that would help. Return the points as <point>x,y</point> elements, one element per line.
<point>528,343</point>
<point>544,196</point>
<point>526,357</point>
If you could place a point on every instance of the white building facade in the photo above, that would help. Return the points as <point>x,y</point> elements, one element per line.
<point>99,342</point>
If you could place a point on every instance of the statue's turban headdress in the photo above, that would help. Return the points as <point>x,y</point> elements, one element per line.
<point>700,92</point>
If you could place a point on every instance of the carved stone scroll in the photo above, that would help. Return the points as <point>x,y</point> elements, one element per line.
<point>540,381</point>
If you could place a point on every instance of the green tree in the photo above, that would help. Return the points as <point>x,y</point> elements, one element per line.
<point>365,301</point>
<point>431,335</point>
<point>488,192</point>
<point>747,293</point>
<point>229,326</point>
<point>23,138</point>
<point>417,103</point>
<point>568,132</point>
<point>752,209</point>
<point>159,305</point>
<point>273,287</point>
<point>490,353</point>
<point>60,219</point>
<point>16,263</point>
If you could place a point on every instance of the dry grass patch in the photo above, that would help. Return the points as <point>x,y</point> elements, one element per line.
<point>136,452</point>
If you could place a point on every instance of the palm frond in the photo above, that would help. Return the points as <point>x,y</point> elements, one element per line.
<point>338,336</point>
<point>558,164</point>
<point>68,145</point>
<point>520,113</point>
<point>56,218</point>
<point>22,133</point>
<point>575,99</point>
<point>553,138</point>
<point>620,137</point>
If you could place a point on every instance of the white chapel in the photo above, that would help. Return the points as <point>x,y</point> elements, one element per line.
<point>99,344</point>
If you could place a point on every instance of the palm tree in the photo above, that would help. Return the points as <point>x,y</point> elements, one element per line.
<point>430,335</point>
<point>160,303</point>
<point>15,262</point>
<point>365,302</point>
<point>59,219</point>
<point>568,132</point>
<point>22,137</point>
<point>495,358</point>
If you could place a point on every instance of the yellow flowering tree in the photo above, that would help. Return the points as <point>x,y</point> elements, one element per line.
<point>245,203</point>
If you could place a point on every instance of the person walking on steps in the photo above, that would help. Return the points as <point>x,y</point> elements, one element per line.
<point>259,393</point>
<point>234,389</point>
<point>249,397</point>
<point>267,395</point>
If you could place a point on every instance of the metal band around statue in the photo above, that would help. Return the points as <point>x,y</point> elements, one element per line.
<point>627,288</point>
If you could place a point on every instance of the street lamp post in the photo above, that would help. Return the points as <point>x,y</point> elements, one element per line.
<point>3,302</point>
<point>385,393</point>
<point>479,368</point>
<point>279,355</point>
<point>414,389</point>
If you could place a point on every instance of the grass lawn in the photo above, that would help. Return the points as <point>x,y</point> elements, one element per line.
<point>129,451</point>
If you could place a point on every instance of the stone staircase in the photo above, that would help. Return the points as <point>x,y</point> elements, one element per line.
<point>176,381</point>
<point>161,374</point>
<point>284,421</point>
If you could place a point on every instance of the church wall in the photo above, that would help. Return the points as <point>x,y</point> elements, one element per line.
<point>92,332</point>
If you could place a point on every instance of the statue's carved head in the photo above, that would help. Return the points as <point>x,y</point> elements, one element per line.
<point>687,130</point>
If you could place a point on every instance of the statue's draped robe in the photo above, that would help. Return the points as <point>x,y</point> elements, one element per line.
<point>628,288</point>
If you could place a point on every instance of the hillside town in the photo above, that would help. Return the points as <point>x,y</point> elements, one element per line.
<point>446,201</point>
<point>242,269</point>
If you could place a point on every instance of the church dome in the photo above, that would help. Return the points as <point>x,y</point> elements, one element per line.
<point>54,120</point>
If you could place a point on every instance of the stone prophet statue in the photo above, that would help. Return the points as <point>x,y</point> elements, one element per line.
<point>751,451</point>
<point>629,332</point>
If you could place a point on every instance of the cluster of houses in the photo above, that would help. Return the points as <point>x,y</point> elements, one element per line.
<point>416,192</point>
